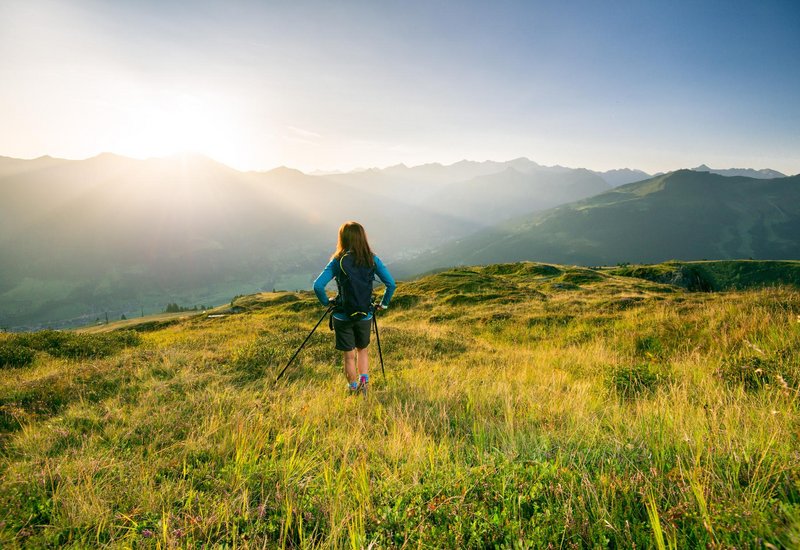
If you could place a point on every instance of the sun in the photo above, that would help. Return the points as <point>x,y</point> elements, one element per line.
<point>172,123</point>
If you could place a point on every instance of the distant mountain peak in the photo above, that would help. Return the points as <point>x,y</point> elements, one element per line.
<point>622,176</point>
<point>523,164</point>
<point>285,171</point>
<point>763,173</point>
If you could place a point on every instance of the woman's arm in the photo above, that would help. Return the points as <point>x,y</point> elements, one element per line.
<point>386,278</point>
<point>321,282</point>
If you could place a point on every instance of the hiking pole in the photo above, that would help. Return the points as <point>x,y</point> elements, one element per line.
<point>378,339</point>
<point>330,307</point>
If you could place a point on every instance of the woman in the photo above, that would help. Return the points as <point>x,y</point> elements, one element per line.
<point>354,267</point>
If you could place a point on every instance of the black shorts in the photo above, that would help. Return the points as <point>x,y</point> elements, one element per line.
<point>351,334</point>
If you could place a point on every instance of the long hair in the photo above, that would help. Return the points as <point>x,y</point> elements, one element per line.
<point>353,239</point>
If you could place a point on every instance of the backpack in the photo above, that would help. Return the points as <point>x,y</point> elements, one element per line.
<point>355,288</point>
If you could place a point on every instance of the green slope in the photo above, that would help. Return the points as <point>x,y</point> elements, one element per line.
<point>685,214</point>
<point>717,275</point>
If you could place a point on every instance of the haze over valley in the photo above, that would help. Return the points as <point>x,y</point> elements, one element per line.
<point>117,236</point>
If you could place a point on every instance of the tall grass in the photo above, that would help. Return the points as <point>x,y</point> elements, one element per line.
<point>610,415</point>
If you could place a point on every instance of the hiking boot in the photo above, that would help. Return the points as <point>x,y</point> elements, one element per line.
<point>363,383</point>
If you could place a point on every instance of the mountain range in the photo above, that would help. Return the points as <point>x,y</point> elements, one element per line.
<point>118,236</point>
<point>115,236</point>
<point>765,173</point>
<point>687,214</point>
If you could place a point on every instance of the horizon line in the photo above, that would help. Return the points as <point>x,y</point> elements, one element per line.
<point>323,172</point>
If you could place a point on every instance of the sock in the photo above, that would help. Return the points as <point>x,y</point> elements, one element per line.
<point>364,378</point>
<point>353,385</point>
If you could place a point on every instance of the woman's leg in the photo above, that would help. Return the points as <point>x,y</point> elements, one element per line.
<point>350,366</point>
<point>363,361</point>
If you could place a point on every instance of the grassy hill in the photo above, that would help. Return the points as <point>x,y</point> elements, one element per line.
<point>717,275</point>
<point>684,214</point>
<point>525,405</point>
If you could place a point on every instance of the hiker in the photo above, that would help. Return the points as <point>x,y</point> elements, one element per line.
<point>354,267</point>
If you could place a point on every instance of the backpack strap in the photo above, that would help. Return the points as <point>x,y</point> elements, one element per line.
<point>341,264</point>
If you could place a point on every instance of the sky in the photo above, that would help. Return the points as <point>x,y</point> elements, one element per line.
<point>321,85</point>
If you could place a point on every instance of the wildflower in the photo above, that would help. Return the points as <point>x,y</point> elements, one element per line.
<point>147,533</point>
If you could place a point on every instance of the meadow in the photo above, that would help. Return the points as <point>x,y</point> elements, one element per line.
<point>524,406</point>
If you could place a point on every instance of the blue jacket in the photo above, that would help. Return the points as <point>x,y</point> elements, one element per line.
<point>332,269</point>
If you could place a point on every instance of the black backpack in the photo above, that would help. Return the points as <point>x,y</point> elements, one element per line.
<point>355,288</point>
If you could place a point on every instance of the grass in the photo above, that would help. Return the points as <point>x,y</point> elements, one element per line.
<point>150,322</point>
<point>548,406</point>
<point>719,274</point>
